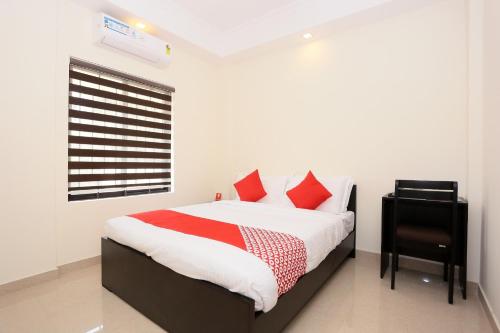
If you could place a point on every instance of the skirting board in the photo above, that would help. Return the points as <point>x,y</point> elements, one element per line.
<point>420,265</point>
<point>47,276</point>
<point>489,312</point>
<point>405,262</point>
<point>73,266</point>
<point>28,282</point>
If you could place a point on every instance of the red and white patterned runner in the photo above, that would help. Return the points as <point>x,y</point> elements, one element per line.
<point>284,254</point>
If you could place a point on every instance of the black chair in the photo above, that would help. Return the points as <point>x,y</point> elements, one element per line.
<point>414,234</point>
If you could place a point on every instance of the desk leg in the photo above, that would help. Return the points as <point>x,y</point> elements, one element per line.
<point>463,281</point>
<point>384,263</point>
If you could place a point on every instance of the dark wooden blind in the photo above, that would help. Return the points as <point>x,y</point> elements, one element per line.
<point>120,134</point>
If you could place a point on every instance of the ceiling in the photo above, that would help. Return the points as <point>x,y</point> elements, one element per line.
<point>225,15</point>
<point>227,27</point>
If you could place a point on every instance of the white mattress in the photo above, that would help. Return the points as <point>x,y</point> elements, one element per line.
<point>227,265</point>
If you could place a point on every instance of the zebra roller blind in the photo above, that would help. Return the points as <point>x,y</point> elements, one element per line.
<point>120,134</point>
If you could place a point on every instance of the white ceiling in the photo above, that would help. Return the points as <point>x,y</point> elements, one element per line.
<point>227,27</point>
<point>225,15</point>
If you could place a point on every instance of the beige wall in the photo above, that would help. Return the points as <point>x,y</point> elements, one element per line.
<point>39,228</point>
<point>27,210</point>
<point>490,268</point>
<point>380,101</point>
<point>475,133</point>
<point>196,144</point>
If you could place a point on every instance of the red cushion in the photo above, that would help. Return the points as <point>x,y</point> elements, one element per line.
<point>250,188</point>
<point>309,194</point>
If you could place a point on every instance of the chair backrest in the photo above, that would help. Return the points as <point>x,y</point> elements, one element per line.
<point>426,190</point>
<point>415,194</point>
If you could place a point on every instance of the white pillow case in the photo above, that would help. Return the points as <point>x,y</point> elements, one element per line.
<point>340,187</point>
<point>274,187</point>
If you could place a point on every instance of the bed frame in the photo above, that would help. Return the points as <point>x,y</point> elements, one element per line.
<point>181,304</point>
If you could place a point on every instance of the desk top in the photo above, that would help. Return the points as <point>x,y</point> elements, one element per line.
<point>461,200</point>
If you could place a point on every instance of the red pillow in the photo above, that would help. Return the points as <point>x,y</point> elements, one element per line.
<point>250,188</point>
<point>309,194</point>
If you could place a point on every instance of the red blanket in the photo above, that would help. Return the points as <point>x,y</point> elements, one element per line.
<point>284,254</point>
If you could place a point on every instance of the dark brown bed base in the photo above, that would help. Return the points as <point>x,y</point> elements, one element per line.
<point>181,304</point>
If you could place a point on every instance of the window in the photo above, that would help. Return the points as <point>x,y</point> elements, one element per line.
<point>120,134</point>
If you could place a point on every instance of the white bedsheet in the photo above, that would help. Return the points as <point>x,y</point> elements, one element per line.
<point>227,265</point>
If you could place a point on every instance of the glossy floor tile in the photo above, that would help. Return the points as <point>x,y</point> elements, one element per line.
<point>355,299</point>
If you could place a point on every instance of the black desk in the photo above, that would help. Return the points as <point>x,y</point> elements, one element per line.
<point>431,212</point>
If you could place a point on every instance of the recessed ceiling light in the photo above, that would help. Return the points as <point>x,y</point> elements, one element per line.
<point>140,25</point>
<point>307,35</point>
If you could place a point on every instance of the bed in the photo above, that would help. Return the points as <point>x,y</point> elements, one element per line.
<point>188,303</point>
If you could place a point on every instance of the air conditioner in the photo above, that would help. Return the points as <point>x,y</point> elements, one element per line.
<point>120,35</point>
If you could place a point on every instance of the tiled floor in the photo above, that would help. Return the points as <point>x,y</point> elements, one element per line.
<point>354,300</point>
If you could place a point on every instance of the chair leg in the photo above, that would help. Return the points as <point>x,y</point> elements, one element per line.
<point>397,263</point>
<point>445,271</point>
<point>451,281</point>
<point>393,268</point>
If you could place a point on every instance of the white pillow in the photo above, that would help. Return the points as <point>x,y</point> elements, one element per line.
<point>340,187</point>
<point>274,187</point>
<point>347,196</point>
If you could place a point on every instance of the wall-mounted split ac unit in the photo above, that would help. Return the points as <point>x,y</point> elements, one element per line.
<point>120,35</point>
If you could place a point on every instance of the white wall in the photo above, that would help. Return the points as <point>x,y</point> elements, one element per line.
<point>379,101</point>
<point>490,269</point>
<point>40,229</point>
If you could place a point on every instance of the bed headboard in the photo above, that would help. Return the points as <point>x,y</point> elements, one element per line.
<point>351,206</point>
